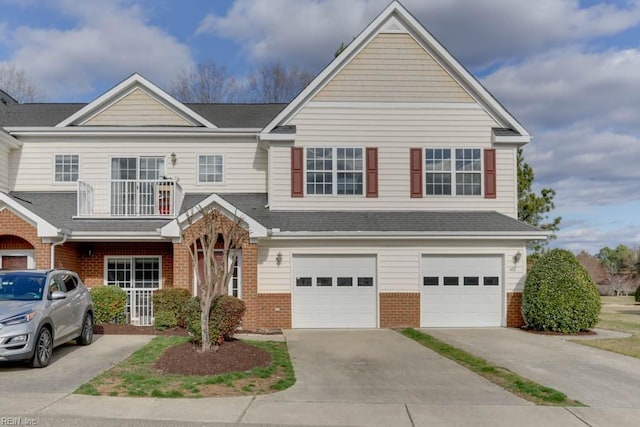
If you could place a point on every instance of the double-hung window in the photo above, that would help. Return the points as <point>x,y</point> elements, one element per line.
<point>335,171</point>
<point>211,168</point>
<point>66,167</point>
<point>460,176</point>
<point>133,272</point>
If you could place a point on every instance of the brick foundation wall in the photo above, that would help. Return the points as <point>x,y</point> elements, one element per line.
<point>399,309</point>
<point>514,310</point>
<point>13,226</point>
<point>91,268</point>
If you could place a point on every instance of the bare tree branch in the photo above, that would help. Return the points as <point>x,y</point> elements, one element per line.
<point>206,83</point>
<point>15,83</point>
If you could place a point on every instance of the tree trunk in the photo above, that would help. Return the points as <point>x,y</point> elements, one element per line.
<point>204,322</point>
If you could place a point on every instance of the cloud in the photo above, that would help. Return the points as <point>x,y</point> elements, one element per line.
<point>307,32</point>
<point>108,41</point>
<point>595,236</point>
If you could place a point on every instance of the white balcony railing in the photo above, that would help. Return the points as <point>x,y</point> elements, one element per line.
<point>124,198</point>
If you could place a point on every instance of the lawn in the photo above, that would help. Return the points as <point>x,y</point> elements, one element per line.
<point>619,314</point>
<point>136,375</point>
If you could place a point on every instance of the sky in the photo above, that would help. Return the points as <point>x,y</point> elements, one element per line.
<point>568,70</point>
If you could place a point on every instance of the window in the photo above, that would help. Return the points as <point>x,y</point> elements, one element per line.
<point>324,281</point>
<point>430,281</point>
<point>471,281</point>
<point>137,272</point>
<point>345,281</point>
<point>66,167</point>
<point>365,281</point>
<point>451,281</point>
<point>491,281</point>
<point>210,168</point>
<point>303,281</point>
<point>461,177</point>
<point>347,172</point>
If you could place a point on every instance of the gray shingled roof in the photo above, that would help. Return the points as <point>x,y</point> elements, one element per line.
<point>505,132</point>
<point>221,115</point>
<point>58,208</point>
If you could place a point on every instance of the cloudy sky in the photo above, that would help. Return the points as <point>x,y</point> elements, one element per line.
<point>569,70</point>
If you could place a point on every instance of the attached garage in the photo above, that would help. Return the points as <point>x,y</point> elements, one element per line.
<point>461,290</point>
<point>334,291</point>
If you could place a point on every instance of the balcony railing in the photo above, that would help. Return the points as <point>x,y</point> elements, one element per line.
<point>125,198</point>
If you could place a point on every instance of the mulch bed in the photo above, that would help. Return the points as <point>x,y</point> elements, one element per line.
<point>235,355</point>
<point>116,329</point>
<point>533,331</point>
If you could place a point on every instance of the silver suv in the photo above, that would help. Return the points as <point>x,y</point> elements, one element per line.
<point>39,310</point>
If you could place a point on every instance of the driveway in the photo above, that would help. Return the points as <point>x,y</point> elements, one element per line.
<point>71,366</point>
<point>597,378</point>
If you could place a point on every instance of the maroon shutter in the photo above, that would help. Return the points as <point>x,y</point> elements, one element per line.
<point>297,181</point>
<point>416,172</point>
<point>490,173</point>
<point>372,172</point>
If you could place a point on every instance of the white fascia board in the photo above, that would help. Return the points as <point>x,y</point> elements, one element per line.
<point>114,93</point>
<point>119,236</point>
<point>132,131</point>
<point>360,105</point>
<point>519,140</point>
<point>9,140</point>
<point>406,19</point>
<point>44,228</point>
<point>387,235</point>
<point>277,136</point>
<point>174,228</point>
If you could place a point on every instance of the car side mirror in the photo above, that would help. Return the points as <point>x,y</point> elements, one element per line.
<point>56,295</point>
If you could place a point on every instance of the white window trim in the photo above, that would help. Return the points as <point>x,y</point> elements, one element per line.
<point>53,169</point>
<point>453,172</point>
<point>137,157</point>
<point>131,258</point>
<point>29,253</point>
<point>198,182</point>
<point>334,173</point>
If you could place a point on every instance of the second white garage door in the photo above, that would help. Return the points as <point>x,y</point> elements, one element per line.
<point>461,291</point>
<point>334,291</point>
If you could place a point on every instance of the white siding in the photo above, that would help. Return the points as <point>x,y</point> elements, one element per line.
<point>4,168</point>
<point>398,261</point>
<point>393,67</point>
<point>394,131</point>
<point>138,108</point>
<point>244,169</point>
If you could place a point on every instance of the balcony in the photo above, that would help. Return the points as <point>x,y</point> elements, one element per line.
<point>127,198</point>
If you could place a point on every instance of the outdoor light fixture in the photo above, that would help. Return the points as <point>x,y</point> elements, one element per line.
<point>174,159</point>
<point>279,258</point>
<point>516,257</point>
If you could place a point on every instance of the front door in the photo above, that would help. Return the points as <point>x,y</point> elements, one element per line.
<point>133,184</point>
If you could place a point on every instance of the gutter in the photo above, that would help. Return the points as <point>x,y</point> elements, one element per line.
<point>65,236</point>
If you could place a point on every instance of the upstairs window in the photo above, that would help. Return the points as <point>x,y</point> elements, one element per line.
<point>459,176</point>
<point>66,167</point>
<point>210,168</point>
<point>335,171</point>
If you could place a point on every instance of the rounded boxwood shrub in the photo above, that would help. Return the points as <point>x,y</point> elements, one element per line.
<point>169,308</point>
<point>109,303</point>
<point>559,295</point>
<point>224,319</point>
<point>638,294</point>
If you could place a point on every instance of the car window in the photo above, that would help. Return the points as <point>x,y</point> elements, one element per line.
<point>21,287</point>
<point>55,285</point>
<point>70,282</point>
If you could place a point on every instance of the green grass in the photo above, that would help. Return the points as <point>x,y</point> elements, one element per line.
<point>623,317</point>
<point>136,376</point>
<point>628,300</point>
<point>510,381</point>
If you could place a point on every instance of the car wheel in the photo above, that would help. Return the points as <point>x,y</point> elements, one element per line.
<point>43,350</point>
<point>86,336</point>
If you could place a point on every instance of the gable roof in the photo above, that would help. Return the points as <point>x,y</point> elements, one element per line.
<point>135,81</point>
<point>395,18</point>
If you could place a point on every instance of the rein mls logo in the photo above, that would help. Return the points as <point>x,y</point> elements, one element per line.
<point>18,421</point>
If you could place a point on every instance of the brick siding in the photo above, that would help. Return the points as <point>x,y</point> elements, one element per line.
<point>514,310</point>
<point>13,227</point>
<point>399,309</point>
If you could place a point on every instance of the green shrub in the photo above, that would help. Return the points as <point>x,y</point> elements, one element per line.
<point>638,294</point>
<point>559,294</point>
<point>109,303</point>
<point>224,319</point>
<point>169,308</point>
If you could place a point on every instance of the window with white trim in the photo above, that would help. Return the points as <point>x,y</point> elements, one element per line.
<point>210,168</point>
<point>67,167</point>
<point>344,176</point>
<point>461,176</point>
<point>133,272</point>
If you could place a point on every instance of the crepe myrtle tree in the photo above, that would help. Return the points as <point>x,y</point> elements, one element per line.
<point>206,227</point>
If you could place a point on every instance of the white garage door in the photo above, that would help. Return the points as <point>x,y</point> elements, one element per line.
<point>334,291</point>
<point>461,291</point>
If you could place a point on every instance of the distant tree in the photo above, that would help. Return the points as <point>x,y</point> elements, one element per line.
<point>534,208</point>
<point>15,83</point>
<point>207,82</point>
<point>274,83</point>
<point>597,271</point>
<point>621,265</point>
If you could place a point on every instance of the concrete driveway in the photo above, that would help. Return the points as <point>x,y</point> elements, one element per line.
<point>597,378</point>
<point>71,366</point>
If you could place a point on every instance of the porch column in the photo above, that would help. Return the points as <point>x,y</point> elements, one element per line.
<point>182,269</point>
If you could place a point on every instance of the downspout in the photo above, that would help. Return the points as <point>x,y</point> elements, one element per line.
<point>65,236</point>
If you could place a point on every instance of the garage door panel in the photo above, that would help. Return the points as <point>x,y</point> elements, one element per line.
<point>334,306</point>
<point>461,305</point>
